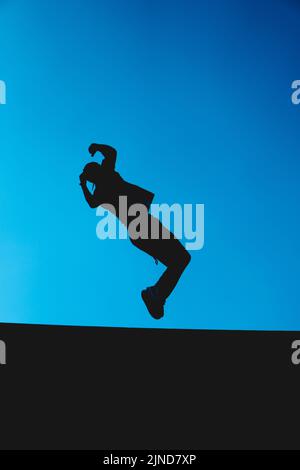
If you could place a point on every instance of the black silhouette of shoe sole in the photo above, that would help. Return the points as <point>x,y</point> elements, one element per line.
<point>151,309</point>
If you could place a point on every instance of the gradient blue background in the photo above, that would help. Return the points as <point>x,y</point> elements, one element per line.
<point>195,95</point>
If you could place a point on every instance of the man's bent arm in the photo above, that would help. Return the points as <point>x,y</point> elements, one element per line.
<point>90,198</point>
<point>109,153</point>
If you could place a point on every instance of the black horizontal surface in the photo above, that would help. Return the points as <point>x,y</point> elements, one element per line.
<point>107,388</point>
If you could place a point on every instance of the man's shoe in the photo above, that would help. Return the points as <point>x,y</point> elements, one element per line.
<point>153,302</point>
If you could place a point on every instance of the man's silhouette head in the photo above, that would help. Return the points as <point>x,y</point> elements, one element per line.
<point>92,172</point>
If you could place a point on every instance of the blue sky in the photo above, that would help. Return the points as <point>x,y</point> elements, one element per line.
<point>195,95</point>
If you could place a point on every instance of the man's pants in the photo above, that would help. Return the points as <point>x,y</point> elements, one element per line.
<point>168,251</point>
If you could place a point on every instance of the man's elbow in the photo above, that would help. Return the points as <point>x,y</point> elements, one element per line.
<point>111,152</point>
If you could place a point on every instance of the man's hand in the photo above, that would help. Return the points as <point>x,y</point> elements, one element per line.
<point>82,179</point>
<point>108,152</point>
<point>93,148</point>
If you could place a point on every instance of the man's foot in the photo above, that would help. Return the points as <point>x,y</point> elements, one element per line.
<point>153,302</point>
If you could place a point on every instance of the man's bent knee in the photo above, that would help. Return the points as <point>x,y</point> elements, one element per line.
<point>185,259</point>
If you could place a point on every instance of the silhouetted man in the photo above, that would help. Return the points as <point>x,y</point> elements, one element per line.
<point>109,187</point>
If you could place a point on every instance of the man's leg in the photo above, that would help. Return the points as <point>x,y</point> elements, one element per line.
<point>177,260</point>
<point>171,253</point>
